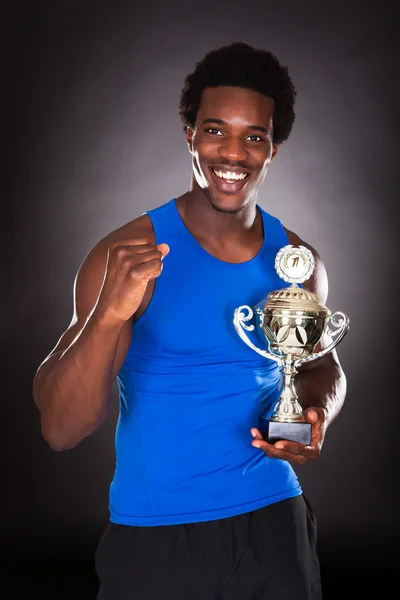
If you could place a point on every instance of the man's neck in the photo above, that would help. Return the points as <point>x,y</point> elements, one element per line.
<point>205,221</point>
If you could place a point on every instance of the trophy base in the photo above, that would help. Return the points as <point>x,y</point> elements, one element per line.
<point>293,432</point>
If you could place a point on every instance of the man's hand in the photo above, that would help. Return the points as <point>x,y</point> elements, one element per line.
<point>131,264</point>
<point>293,451</point>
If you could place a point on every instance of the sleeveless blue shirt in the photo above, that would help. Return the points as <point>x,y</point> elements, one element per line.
<point>190,389</point>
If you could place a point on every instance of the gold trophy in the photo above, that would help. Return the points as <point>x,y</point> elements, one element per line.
<point>290,322</point>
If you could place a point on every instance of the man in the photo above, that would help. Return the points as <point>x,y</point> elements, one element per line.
<point>201,506</point>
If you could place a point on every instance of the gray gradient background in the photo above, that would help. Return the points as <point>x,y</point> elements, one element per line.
<point>96,140</point>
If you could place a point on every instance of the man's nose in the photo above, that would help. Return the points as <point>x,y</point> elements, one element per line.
<point>232,148</point>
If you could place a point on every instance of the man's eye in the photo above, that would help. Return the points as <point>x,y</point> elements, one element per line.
<point>255,138</point>
<point>214,131</point>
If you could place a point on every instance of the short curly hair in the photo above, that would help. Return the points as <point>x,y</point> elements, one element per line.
<point>241,65</point>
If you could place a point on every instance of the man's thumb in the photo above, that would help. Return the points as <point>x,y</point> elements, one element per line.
<point>164,249</point>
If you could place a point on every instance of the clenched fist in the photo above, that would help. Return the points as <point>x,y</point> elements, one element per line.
<point>131,264</point>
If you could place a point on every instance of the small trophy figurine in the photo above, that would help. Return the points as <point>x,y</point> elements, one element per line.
<point>291,322</point>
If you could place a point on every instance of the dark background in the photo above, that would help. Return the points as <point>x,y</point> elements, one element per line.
<point>95,140</point>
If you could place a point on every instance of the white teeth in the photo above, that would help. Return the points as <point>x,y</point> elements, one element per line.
<point>230,175</point>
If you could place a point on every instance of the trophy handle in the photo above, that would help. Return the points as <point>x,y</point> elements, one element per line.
<point>337,325</point>
<point>239,319</point>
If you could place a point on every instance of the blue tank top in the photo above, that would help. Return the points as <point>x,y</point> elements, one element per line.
<point>191,390</point>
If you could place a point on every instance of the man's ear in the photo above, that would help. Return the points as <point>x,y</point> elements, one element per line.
<point>275,149</point>
<point>189,139</point>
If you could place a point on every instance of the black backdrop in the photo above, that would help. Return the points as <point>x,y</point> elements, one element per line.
<point>94,140</point>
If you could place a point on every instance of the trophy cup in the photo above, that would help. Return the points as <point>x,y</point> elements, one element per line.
<point>290,322</point>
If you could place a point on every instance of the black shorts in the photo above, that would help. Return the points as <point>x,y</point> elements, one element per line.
<point>267,554</point>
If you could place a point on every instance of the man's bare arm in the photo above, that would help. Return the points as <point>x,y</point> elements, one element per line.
<point>72,387</point>
<point>320,384</point>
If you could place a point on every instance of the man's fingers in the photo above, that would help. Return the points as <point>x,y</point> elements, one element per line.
<point>141,245</point>
<point>314,415</point>
<point>132,242</point>
<point>292,447</point>
<point>256,434</point>
<point>141,254</point>
<point>164,249</point>
<point>150,269</point>
<point>296,448</point>
<point>273,452</point>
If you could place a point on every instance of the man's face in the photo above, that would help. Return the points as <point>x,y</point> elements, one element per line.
<point>231,145</point>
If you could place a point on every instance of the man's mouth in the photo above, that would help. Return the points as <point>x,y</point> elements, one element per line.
<point>230,176</point>
<point>229,181</point>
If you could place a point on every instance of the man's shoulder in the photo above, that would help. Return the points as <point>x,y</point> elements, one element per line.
<point>96,257</point>
<point>137,228</point>
<point>318,282</point>
<point>295,240</point>
<point>140,227</point>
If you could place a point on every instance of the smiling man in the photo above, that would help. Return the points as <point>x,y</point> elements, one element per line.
<point>201,506</point>
<point>232,149</point>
